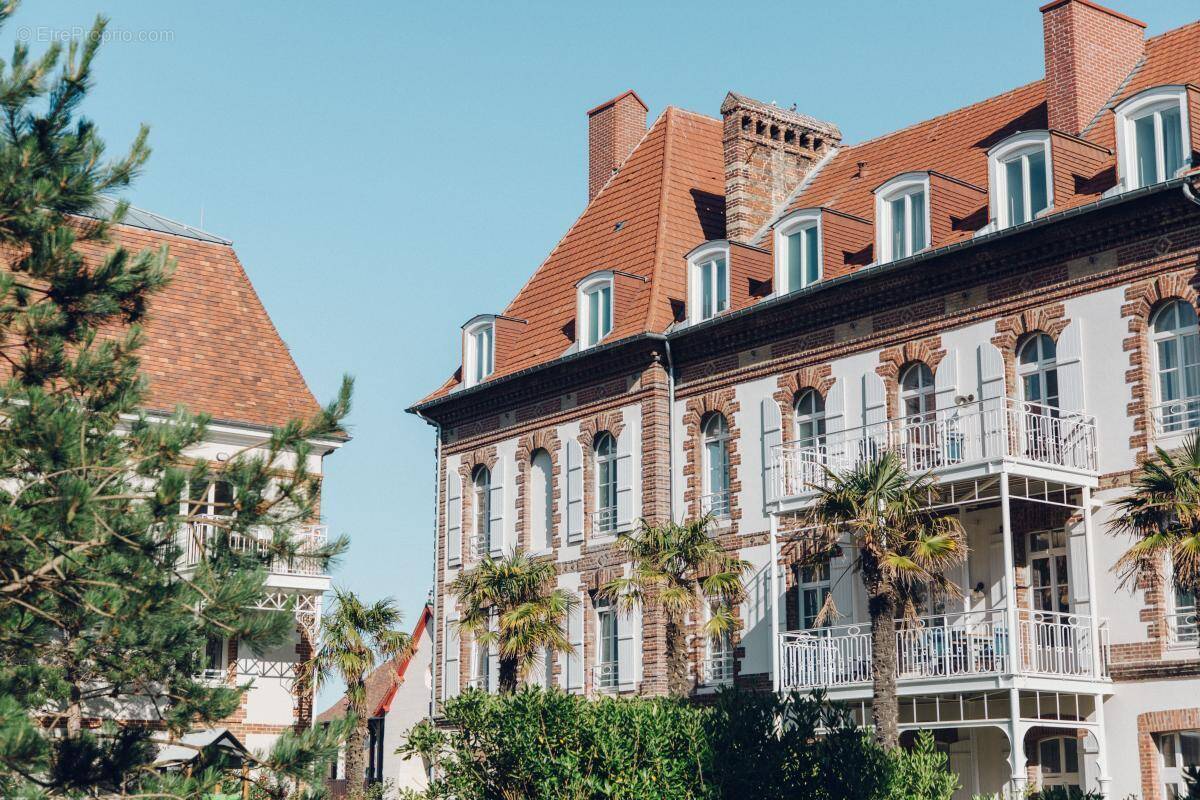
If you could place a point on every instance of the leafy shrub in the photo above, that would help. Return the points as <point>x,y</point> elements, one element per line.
<point>547,745</point>
<point>1065,793</point>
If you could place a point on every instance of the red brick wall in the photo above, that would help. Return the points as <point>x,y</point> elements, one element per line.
<point>1179,719</point>
<point>614,129</point>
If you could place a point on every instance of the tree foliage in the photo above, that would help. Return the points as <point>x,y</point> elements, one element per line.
<point>98,622</point>
<point>547,745</point>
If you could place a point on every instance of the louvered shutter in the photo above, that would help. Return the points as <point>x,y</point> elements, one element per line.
<point>496,509</point>
<point>574,492</point>
<point>772,438</point>
<point>835,408</point>
<point>875,434</point>
<point>450,674</point>
<point>945,384</point>
<point>843,582</point>
<point>627,649</point>
<point>572,663</point>
<point>624,465</point>
<point>453,518</point>
<point>1070,369</point>
<point>993,417</point>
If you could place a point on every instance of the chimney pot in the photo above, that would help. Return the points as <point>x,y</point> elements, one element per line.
<point>614,129</point>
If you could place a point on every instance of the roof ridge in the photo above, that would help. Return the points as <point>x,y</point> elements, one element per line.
<point>943,115</point>
<point>1173,30</point>
<point>705,117</point>
<point>660,221</point>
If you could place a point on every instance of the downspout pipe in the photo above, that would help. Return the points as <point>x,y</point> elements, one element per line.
<point>670,429</point>
<point>437,505</point>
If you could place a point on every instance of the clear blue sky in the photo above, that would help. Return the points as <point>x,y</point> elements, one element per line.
<point>386,170</point>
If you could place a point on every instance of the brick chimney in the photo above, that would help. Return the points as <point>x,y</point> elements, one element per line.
<point>768,151</point>
<point>1090,51</point>
<point>614,129</point>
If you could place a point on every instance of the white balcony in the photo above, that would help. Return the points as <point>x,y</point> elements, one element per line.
<point>196,541</point>
<point>965,441</point>
<point>949,648</point>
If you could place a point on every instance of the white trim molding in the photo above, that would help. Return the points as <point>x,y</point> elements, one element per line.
<point>480,325</point>
<point>797,221</point>
<point>1012,147</point>
<point>585,287</point>
<point>904,185</point>
<point>699,258</point>
<point>1129,111</point>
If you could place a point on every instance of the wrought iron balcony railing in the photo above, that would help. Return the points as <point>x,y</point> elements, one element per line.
<point>197,538</point>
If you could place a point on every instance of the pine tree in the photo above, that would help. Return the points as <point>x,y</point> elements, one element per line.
<point>96,619</point>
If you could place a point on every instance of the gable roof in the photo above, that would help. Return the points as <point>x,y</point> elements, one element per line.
<point>385,679</point>
<point>209,343</point>
<point>666,197</point>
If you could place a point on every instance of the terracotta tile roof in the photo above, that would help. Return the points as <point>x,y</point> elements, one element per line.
<point>209,343</point>
<point>384,679</point>
<point>667,197</point>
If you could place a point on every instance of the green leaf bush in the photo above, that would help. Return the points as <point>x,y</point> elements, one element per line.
<point>548,745</point>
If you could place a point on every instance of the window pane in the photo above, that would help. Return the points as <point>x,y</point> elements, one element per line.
<point>899,245</point>
<point>1038,196</point>
<point>1172,133</point>
<point>917,210</point>
<point>1189,742</point>
<point>1033,388</point>
<point>1052,388</point>
<point>706,290</point>
<point>605,311</point>
<point>1071,747</point>
<point>593,317</point>
<point>1051,756</point>
<point>812,271</point>
<point>722,280</point>
<point>1014,184</point>
<point>795,253</point>
<point>1147,165</point>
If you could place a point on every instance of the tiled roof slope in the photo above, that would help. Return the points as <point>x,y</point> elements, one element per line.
<point>956,143</point>
<point>209,343</point>
<point>666,198</point>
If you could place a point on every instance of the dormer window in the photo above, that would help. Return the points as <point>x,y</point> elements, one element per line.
<point>479,349</point>
<point>798,251</point>
<point>595,312</point>
<point>708,281</point>
<point>1151,132</point>
<point>902,216</point>
<point>1019,170</point>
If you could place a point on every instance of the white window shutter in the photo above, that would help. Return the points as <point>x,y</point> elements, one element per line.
<point>874,399</point>
<point>571,664</point>
<point>992,399</point>
<point>574,492</point>
<point>772,438</point>
<point>493,661</point>
<point>625,479</point>
<point>627,636</point>
<point>945,384</point>
<point>496,509</point>
<point>842,584</point>
<point>1070,368</point>
<point>835,408</point>
<point>450,674</point>
<point>453,518</point>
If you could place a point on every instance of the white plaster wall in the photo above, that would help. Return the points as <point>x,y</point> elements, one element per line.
<point>1120,722</point>
<point>269,700</point>
<point>409,706</point>
<point>756,612</point>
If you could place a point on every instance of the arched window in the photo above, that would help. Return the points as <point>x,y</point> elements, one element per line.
<point>1059,757</point>
<point>481,488</point>
<point>916,390</point>
<point>810,419</point>
<point>1177,363</point>
<point>1038,368</point>
<point>541,500</point>
<point>716,466</point>
<point>606,483</point>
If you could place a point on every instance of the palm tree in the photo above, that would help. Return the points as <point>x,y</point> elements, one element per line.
<point>354,638</point>
<point>679,568</point>
<point>1162,514</point>
<point>510,603</point>
<point>901,546</point>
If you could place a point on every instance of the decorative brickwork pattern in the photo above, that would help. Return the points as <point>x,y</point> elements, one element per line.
<point>482,457</point>
<point>528,445</point>
<point>607,421</point>
<point>696,414</point>
<point>1142,300</point>
<point>893,360</point>
<point>793,384</point>
<point>1012,331</point>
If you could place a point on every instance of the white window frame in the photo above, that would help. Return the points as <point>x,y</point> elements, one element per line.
<point>1185,402</point>
<point>592,283</point>
<point>1019,145</point>
<point>481,511</point>
<point>1040,371</point>
<point>718,652</point>
<point>819,581</point>
<point>904,185</point>
<point>808,218</point>
<point>697,261</point>
<point>605,517</point>
<point>607,673</point>
<point>476,327</point>
<point>1182,620</point>
<point>1128,112</point>
<point>711,504</point>
<point>541,508</point>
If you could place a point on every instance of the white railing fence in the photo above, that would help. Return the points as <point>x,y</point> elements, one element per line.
<point>606,676</point>
<point>197,539</point>
<point>718,668</point>
<point>1176,416</point>
<point>604,521</point>
<point>715,504</point>
<point>1183,624</point>
<point>973,432</point>
<point>943,646</point>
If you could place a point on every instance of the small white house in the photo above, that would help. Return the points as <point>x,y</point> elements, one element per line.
<point>398,696</point>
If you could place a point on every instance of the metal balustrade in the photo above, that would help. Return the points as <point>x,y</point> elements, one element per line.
<point>606,676</point>
<point>717,668</point>
<point>1176,416</point>
<point>604,521</point>
<point>949,646</point>
<point>197,538</point>
<point>1183,624</point>
<point>715,504</point>
<point>978,432</point>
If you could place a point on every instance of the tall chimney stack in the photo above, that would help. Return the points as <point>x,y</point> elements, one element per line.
<point>768,151</point>
<point>614,129</point>
<point>1090,51</point>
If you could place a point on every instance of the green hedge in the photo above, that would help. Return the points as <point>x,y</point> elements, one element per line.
<point>547,745</point>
